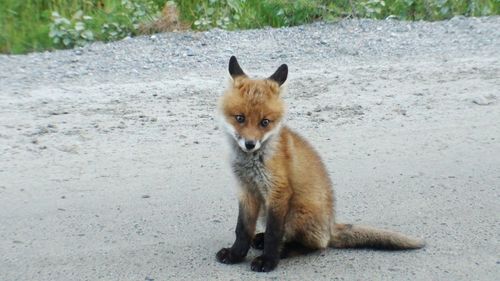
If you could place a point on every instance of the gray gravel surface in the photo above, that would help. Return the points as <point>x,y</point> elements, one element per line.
<point>114,167</point>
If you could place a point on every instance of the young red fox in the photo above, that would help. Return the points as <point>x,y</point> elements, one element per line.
<point>282,176</point>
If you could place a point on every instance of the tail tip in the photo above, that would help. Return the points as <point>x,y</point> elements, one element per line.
<point>419,244</point>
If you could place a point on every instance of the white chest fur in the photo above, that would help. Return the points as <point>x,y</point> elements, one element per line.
<point>250,169</point>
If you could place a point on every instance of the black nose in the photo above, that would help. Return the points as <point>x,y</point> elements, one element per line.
<point>249,144</point>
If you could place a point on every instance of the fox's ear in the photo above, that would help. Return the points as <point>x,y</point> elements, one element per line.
<point>234,68</point>
<point>280,75</point>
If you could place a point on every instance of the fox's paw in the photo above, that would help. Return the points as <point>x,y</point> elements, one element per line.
<point>258,241</point>
<point>264,264</point>
<point>226,256</point>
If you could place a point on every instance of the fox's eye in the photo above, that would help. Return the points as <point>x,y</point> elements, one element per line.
<point>265,122</point>
<point>240,118</point>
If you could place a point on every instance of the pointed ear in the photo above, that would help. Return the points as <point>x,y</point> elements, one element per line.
<point>234,68</point>
<point>280,75</point>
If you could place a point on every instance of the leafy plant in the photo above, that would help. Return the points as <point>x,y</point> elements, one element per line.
<point>70,32</point>
<point>139,11</point>
<point>217,13</point>
<point>114,31</point>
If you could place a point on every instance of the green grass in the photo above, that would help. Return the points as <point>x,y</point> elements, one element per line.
<point>25,24</point>
<point>244,14</point>
<point>253,13</point>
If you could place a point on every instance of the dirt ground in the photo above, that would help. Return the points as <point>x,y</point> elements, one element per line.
<point>113,165</point>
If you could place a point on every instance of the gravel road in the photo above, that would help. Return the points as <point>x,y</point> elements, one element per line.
<point>113,166</point>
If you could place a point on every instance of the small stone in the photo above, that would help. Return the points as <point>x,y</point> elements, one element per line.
<point>482,100</point>
<point>392,269</point>
<point>189,53</point>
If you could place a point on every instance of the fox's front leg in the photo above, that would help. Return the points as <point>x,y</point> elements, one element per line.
<point>248,213</point>
<point>273,237</point>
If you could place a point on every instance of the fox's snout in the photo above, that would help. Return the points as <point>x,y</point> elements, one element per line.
<point>249,145</point>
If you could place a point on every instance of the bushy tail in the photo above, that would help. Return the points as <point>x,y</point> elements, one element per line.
<point>358,236</point>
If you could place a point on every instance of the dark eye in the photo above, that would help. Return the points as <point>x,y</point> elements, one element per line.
<point>265,122</point>
<point>240,118</point>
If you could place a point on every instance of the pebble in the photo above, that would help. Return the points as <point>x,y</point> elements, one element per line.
<point>482,101</point>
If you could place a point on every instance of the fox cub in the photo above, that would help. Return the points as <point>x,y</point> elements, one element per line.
<point>282,178</point>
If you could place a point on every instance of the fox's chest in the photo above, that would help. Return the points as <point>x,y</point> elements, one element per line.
<point>251,170</point>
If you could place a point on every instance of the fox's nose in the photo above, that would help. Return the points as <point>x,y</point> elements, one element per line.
<point>249,144</point>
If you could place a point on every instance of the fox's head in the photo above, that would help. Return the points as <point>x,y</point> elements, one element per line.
<point>253,109</point>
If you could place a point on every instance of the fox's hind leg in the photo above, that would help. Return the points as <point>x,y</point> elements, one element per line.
<point>293,248</point>
<point>289,249</point>
<point>258,241</point>
<point>305,232</point>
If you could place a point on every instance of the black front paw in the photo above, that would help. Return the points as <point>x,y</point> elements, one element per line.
<point>258,241</point>
<point>264,264</point>
<point>226,256</point>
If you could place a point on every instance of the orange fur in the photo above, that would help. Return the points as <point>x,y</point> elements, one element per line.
<point>256,100</point>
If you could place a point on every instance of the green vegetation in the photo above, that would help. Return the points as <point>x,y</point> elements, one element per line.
<point>244,14</point>
<point>34,25</point>
<point>234,14</point>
